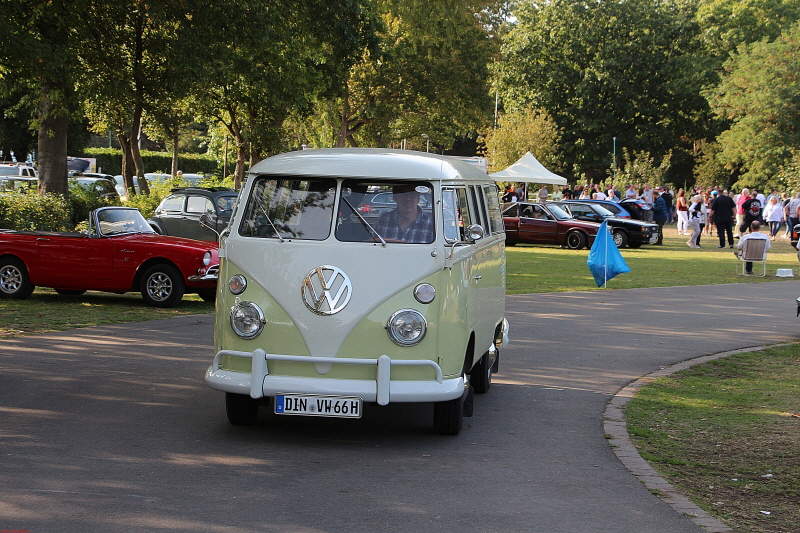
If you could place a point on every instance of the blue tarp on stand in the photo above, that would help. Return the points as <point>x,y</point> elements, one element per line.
<point>605,261</point>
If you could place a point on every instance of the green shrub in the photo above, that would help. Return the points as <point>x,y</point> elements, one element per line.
<point>33,212</point>
<point>83,199</point>
<point>147,204</point>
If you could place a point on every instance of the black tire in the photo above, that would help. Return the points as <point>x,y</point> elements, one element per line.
<point>575,240</point>
<point>207,295</point>
<point>480,377</point>
<point>15,283</point>
<point>241,410</point>
<point>162,286</point>
<point>620,238</point>
<point>70,292</point>
<point>448,416</point>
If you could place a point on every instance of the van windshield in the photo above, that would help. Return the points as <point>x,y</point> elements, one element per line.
<point>398,211</point>
<point>289,208</point>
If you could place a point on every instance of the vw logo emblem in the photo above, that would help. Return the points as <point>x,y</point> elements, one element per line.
<point>326,290</point>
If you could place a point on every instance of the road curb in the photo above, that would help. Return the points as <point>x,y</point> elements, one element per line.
<point>616,430</point>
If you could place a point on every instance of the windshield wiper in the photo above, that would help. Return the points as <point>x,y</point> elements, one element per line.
<point>260,204</point>
<point>363,220</point>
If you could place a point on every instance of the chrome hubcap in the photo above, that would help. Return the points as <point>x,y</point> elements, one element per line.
<point>159,286</point>
<point>10,279</point>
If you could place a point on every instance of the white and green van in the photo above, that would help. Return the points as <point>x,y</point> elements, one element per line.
<point>360,275</point>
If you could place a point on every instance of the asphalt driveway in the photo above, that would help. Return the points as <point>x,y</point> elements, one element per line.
<point>112,429</point>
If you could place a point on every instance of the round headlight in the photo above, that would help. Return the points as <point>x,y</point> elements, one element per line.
<point>237,284</point>
<point>247,320</point>
<point>424,293</point>
<point>406,327</point>
<point>207,258</point>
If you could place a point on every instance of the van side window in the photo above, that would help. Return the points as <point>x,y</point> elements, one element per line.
<point>491,192</point>
<point>479,206</point>
<point>457,213</point>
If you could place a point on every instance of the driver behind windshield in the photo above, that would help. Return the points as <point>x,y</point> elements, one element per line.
<point>408,223</point>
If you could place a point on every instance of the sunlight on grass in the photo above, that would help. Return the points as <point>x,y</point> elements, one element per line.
<point>727,434</point>
<point>542,268</point>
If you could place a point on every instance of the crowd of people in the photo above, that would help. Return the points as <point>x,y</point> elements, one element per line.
<point>697,212</point>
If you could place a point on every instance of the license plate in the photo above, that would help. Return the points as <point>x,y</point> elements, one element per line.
<point>318,405</point>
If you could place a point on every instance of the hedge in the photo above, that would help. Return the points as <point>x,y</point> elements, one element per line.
<point>109,160</point>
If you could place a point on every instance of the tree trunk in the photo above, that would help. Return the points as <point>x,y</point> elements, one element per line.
<point>341,135</point>
<point>136,127</point>
<point>176,134</point>
<point>241,155</point>
<point>52,143</point>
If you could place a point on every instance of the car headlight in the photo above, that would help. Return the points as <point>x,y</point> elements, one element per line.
<point>424,293</point>
<point>247,320</point>
<point>207,258</point>
<point>406,327</point>
<point>237,284</point>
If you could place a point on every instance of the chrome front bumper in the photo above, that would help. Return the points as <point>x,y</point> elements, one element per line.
<point>212,274</point>
<point>259,383</point>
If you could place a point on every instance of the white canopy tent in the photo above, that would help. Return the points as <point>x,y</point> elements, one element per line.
<point>528,170</point>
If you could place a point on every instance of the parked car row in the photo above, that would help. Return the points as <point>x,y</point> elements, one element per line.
<point>627,232</point>
<point>572,224</point>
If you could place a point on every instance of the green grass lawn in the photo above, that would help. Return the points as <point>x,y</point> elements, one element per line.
<point>538,268</point>
<point>47,311</point>
<point>727,434</point>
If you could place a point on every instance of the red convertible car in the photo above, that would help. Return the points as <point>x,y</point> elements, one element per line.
<point>119,253</point>
<point>546,224</point>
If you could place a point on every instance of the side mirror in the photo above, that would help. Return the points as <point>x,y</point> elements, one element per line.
<point>207,223</point>
<point>475,232</point>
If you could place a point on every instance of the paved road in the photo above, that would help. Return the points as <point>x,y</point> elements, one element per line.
<point>112,429</point>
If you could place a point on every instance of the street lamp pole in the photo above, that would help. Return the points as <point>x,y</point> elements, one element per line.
<point>427,143</point>
<point>615,155</point>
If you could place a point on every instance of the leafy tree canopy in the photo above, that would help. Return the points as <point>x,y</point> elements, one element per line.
<point>758,93</point>
<point>519,132</point>
<point>604,69</point>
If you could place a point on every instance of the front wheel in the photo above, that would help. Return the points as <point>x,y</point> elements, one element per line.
<point>162,286</point>
<point>448,416</point>
<point>480,377</point>
<point>15,283</point>
<point>620,239</point>
<point>241,410</point>
<point>207,295</point>
<point>575,240</point>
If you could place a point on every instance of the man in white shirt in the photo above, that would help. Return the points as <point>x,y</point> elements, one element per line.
<point>755,234</point>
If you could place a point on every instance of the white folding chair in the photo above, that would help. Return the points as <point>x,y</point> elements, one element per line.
<point>753,252</point>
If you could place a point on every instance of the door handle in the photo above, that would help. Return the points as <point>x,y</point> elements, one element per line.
<point>477,276</point>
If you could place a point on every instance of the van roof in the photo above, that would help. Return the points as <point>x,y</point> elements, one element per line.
<point>369,163</point>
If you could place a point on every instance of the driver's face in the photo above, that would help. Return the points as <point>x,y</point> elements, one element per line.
<point>407,201</point>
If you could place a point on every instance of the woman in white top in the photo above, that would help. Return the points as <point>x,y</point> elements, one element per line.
<point>773,213</point>
<point>695,214</point>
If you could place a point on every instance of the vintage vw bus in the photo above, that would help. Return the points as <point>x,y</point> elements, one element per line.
<point>327,301</point>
